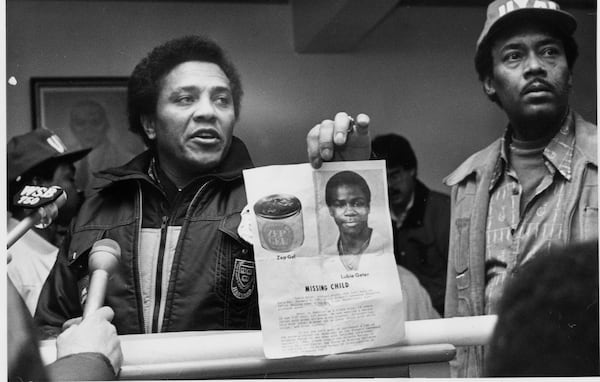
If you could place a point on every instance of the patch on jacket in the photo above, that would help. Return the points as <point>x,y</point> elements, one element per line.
<point>242,280</point>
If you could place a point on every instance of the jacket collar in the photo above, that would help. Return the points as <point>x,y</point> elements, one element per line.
<point>576,134</point>
<point>486,159</point>
<point>139,168</point>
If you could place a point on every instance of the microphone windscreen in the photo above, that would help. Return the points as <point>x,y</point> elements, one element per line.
<point>105,254</point>
<point>103,260</point>
<point>107,245</point>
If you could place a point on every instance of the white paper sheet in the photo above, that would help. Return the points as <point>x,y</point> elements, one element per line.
<point>314,300</point>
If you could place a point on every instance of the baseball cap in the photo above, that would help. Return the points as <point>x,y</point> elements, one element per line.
<point>499,12</point>
<point>26,151</point>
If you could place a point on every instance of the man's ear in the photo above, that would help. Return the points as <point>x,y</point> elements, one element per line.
<point>488,86</point>
<point>148,124</point>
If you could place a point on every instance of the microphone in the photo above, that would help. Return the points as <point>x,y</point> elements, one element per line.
<point>104,259</point>
<point>44,200</point>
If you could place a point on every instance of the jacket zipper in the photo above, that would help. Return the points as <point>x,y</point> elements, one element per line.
<point>136,252</point>
<point>159,273</point>
<point>161,255</point>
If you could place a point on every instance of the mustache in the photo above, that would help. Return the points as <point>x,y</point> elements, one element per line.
<point>537,84</point>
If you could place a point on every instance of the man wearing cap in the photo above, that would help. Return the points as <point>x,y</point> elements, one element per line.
<point>420,217</point>
<point>38,158</point>
<point>532,190</point>
<point>535,188</point>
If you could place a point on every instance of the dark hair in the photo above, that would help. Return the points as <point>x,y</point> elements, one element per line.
<point>396,151</point>
<point>548,317</point>
<point>346,178</point>
<point>144,83</point>
<point>484,63</point>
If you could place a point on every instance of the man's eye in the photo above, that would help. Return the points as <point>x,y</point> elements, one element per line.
<point>184,99</point>
<point>512,56</point>
<point>223,100</point>
<point>550,52</point>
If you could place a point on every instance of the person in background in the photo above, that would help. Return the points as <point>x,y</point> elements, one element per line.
<point>532,190</point>
<point>38,158</point>
<point>420,217</point>
<point>548,318</point>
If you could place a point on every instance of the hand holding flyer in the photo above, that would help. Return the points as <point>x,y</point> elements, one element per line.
<point>325,266</point>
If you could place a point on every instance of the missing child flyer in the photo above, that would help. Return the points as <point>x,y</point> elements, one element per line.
<point>326,274</point>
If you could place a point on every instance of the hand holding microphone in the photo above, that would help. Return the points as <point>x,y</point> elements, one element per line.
<point>94,334</point>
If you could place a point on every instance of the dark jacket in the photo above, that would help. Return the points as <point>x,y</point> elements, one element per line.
<point>23,356</point>
<point>212,280</point>
<point>421,244</point>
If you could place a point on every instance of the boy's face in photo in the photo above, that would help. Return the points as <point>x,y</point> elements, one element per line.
<point>350,209</point>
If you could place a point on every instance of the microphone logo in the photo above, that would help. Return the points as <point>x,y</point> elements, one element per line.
<point>37,196</point>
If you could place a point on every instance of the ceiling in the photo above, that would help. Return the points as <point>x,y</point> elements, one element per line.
<point>329,26</point>
<point>591,4</point>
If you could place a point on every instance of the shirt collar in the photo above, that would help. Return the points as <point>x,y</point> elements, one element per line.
<point>162,180</point>
<point>559,152</point>
<point>501,162</point>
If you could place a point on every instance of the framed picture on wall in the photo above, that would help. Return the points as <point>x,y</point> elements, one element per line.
<point>87,112</point>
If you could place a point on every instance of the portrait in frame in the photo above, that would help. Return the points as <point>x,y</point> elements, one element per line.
<point>87,112</point>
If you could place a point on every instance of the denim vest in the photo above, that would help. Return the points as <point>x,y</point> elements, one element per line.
<point>470,197</point>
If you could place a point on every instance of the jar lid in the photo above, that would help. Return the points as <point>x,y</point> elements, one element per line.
<point>277,206</point>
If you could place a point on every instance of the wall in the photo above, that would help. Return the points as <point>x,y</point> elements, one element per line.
<point>414,74</point>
